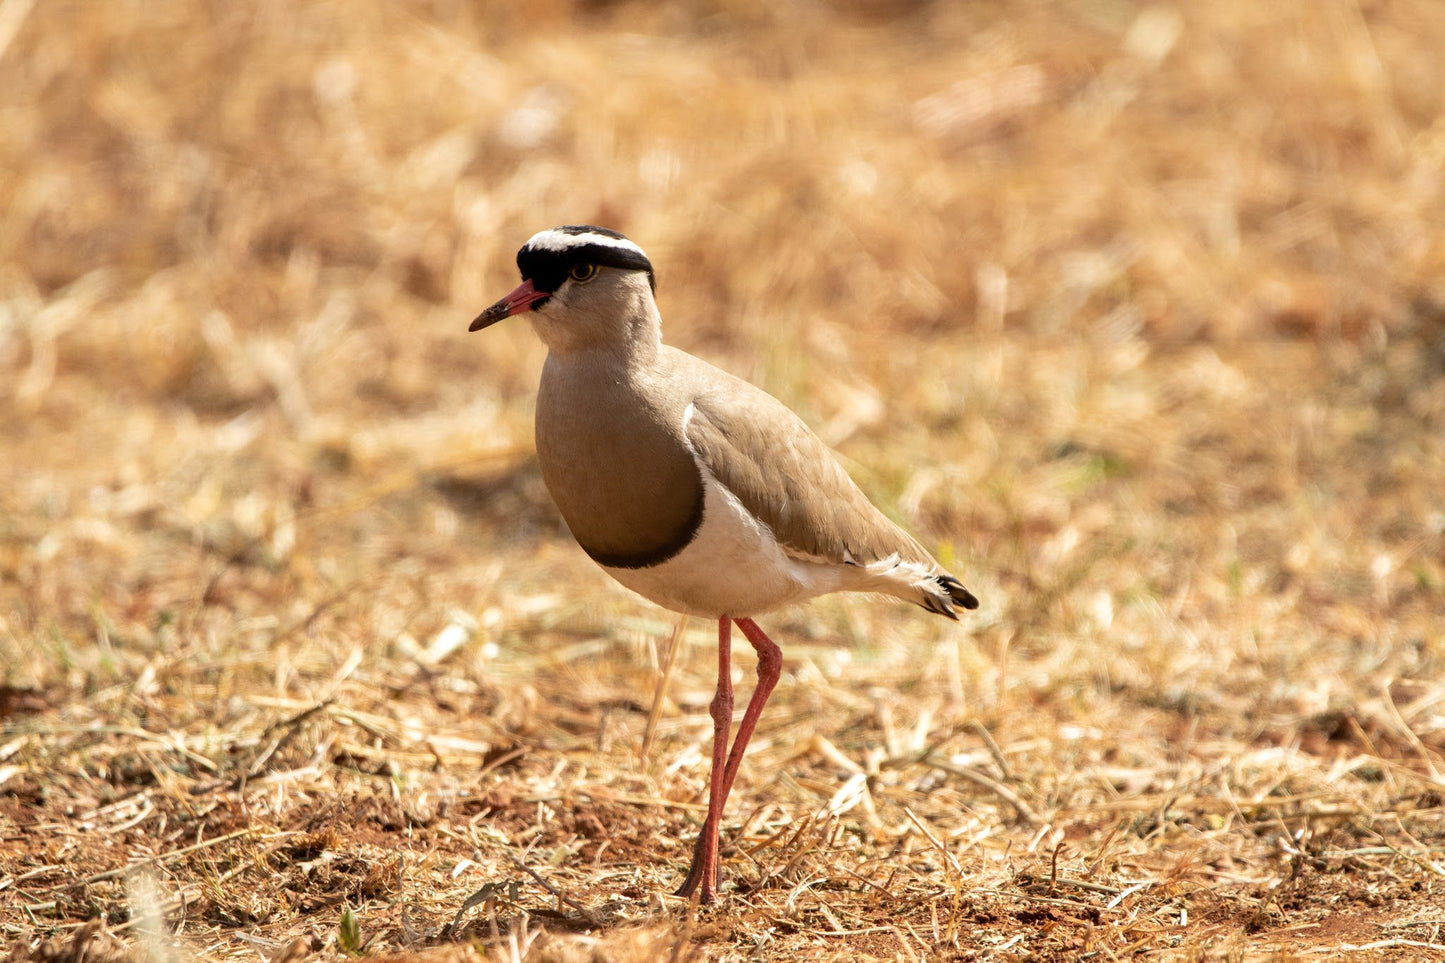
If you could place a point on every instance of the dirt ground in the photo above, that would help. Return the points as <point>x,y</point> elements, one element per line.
<point>1133,312</point>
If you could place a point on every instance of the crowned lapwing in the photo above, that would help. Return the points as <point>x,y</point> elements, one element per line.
<point>690,486</point>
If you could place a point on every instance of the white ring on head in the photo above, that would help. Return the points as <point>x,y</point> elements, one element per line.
<point>554,240</point>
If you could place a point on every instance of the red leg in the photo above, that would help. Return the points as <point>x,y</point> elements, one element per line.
<point>704,869</point>
<point>770,666</point>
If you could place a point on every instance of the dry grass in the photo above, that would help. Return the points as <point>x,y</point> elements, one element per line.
<point>1134,312</point>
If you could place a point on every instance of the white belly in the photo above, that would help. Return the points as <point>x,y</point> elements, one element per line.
<point>732,567</point>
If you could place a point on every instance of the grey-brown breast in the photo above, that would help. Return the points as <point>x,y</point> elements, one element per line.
<point>614,459</point>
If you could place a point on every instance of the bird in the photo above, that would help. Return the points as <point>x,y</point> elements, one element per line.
<point>693,488</point>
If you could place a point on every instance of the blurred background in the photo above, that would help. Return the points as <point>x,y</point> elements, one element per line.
<point>1134,312</point>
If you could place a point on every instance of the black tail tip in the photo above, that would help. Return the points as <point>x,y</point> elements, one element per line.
<point>957,592</point>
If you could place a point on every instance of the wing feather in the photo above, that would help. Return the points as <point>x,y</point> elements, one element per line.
<point>790,481</point>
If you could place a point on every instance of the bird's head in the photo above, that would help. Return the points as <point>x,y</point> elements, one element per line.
<point>582,285</point>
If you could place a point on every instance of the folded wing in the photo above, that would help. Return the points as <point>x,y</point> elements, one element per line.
<point>792,483</point>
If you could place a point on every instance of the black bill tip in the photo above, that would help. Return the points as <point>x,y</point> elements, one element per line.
<point>490,316</point>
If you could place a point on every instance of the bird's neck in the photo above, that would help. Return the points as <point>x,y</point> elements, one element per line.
<point>631,344</point>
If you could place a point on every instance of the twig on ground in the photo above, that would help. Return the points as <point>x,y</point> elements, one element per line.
<point>162,859</point>
<point>1023,809</point>
<point>1379,945</point>
<point>928,834</point>
<point>560,896</point>
<point>978,729</point>
<point>645,753</point>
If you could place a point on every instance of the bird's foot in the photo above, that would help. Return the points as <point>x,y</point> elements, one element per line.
<point>699,880</point>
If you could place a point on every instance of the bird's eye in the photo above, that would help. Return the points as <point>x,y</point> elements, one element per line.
<point>582,273</point>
